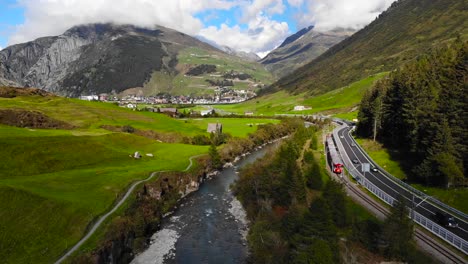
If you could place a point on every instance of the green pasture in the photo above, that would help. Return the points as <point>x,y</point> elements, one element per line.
<point>237,127</point>
<point>55,182</point>
<point>337,101</point>
<point>224,63</point>
<point>91,115</point>
<point>52,186</point>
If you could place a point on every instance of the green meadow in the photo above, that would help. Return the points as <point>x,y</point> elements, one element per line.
<point>54,182</point>
<point>181,84</point>
<point>343,101</point>
<point>237,127</point>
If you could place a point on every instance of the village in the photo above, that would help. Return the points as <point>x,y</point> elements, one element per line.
<point>223,95</point>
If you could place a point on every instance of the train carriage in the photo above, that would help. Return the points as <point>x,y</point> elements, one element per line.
<point>334,159</point>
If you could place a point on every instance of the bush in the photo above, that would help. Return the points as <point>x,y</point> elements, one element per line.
<point>128,129</point>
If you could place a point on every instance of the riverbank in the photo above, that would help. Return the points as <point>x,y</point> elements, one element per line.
<point>130,229</point>
<point>207,226</point>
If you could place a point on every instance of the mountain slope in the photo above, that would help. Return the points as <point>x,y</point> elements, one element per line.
<point>102,58</point>
<point>408,28</point>
<point>250,56</point>
<point>94,58</point>
<point>300,48</point>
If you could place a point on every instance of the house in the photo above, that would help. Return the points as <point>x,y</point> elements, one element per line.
<point>103,97</point>
<point>215,128</point>
<point>301,108</point>
<point>206,112</point>
<point>248,113</point>
<point>89,97</point>
<point>172,112</point>
<point>131,106</point>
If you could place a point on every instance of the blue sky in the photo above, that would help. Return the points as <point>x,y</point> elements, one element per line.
<point>249,25</point>
<point>10,15</point>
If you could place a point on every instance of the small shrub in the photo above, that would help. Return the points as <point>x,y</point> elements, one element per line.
<point>128,129</point>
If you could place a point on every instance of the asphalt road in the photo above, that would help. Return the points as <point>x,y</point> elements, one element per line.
<point>392,188</point>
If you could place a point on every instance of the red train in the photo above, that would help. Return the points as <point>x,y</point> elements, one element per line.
<point>334,159</point>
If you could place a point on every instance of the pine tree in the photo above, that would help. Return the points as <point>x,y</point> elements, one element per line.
<point>214,157</point>
<point>398,232</point>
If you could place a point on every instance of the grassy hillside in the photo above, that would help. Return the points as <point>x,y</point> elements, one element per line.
<point>408,28</point>
<point>54,182</point>
<point>342,100</point>
<point>188,58</point>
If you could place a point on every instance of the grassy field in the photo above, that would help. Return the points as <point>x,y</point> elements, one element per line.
<point>454,197</point>
<point>338,101</point>
<point>237,127</point>
<point>181,84</point>
<point>54,182</point>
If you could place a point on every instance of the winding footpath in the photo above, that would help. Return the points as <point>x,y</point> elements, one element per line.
<point>104,217</point>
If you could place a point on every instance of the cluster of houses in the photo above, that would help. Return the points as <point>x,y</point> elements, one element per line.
<point>222,95</point>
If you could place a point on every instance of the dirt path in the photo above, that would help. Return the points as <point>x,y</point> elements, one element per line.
<point>104,217</point>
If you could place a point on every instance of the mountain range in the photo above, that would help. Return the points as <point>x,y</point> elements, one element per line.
<point>301,48</point>
<point>97,58</point>
<point>400,34</point>
<point>94,58</point>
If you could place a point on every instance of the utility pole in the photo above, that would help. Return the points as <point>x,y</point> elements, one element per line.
<point>377,116</point>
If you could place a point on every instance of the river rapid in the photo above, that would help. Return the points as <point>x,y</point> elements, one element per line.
<point>209,225</point>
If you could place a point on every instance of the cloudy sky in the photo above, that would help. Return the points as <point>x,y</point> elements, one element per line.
<point>249,25</point>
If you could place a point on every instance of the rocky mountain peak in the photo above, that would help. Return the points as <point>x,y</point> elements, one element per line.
<point>296,36</point>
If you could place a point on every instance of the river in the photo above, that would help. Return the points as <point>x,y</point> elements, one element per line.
<point>209,225</point>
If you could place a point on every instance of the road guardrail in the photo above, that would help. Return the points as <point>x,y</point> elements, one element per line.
<point>425,222</point>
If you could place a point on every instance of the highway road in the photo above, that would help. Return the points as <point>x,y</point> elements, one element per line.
<point>391,187</point>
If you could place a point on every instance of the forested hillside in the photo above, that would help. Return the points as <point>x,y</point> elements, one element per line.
<point>298,215</point>
<point>407,29</point>
<point>421,110</point>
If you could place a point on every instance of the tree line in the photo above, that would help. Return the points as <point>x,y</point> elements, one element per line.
<point>299,215</point>
<point>421,111</point>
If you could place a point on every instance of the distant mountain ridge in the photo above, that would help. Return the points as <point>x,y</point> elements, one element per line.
<point>296,36</point>
<point>94,58</point>
<point>301,48</point>
<point>408,28</point>
<point>242,54</point>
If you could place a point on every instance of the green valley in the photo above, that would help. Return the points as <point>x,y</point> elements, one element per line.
<point>55,182</point>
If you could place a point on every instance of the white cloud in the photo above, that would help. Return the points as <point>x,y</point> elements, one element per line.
<point>263,54</point>
<point>254,28</point>
<point>255,7</point>
<point>52,17</point>
<point>262,34</point>
<point>329,14</point>
<point>295,3</point>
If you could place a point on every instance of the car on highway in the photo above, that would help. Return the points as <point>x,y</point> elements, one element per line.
<point>353,145</point>
<point>445,220</point>
<point>374,169</point>
<point>355,161</point>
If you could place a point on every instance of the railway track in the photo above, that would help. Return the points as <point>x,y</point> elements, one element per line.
<point>448,254</point>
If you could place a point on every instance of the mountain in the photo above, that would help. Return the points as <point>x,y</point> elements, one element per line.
<point>300,48</point>
<point>407,29</point>
<point>94,58</point>
<point>242,54</point>
<point>103,58</point>
<point>250,56</point>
